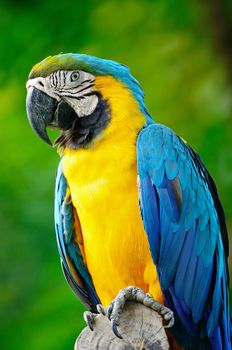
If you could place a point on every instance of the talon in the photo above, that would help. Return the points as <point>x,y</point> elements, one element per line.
<point>171,323</point>
<point>169,317</point>
<point>101,309</point>
<point>115,329</point>
<point>89,318</point>
<point>109,311</point>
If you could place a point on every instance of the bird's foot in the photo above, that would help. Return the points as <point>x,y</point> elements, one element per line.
<point>114,310</point>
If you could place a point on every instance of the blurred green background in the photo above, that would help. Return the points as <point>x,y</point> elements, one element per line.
<point>180,52</point>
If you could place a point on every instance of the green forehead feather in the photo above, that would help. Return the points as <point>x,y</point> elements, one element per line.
<point>87,63</point>
<point>59,62</point>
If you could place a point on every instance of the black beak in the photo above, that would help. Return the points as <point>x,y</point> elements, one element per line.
<point>40,111</point>
<point>44,111</point>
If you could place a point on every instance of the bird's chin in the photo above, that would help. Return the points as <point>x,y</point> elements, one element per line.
<point>84,130</point>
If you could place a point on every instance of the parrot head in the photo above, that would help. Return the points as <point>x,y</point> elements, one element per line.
<point>73,93</point>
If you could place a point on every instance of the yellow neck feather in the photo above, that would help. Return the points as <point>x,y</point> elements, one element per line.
<point>118,140</point>
<point>125,113</point>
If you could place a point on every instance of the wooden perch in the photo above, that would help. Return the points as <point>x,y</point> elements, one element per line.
<point>141,328</point>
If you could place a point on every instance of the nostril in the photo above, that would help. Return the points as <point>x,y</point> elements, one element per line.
<point>41,84</point>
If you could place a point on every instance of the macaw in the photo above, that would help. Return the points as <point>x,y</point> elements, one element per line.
<point>135,208</point>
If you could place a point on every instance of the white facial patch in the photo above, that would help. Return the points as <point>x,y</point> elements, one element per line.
<point>83,107</point>
<point>74,87</point>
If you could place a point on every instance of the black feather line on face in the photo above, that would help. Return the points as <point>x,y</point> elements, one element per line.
<point>72,93</point>
<point>85,129</point>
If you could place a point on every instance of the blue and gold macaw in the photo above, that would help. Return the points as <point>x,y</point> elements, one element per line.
<point>134,204</point>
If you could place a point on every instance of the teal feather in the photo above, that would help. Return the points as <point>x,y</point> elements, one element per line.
<point>69,251</point>
<point>192,241</point>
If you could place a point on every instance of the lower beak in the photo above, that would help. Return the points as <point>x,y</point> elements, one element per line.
<point>40,111</point>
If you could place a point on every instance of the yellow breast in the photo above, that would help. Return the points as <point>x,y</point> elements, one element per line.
<point>103,185</point>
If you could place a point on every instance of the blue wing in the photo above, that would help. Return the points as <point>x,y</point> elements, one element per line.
<point>186,230</point>
<point>69,240</point>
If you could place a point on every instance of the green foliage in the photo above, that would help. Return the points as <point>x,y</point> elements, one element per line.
<point>168,50</point>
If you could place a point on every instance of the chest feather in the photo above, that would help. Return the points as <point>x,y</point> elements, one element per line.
<point>105,195</point>
<point>103,185</point>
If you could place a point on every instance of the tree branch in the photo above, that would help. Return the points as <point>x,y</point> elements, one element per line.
<point>141,328</point>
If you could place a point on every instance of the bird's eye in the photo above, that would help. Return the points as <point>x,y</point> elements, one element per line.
<point>74,76</point>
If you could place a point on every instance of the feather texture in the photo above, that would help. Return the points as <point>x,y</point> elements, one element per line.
<point>72,260</point>
<point>191,244</point>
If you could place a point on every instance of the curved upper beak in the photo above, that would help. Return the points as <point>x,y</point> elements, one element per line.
<point>45,111</point>
<point>40,111</point>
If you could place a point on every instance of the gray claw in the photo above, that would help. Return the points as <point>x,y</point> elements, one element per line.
<point>109,311</point>
<point>169,316</point>
<point>89,319</point>
<point>115,329</point>
<point>101,309</point>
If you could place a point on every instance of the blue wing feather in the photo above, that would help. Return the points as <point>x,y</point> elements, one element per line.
<point>73,265</point>
<point>151,216</point>
<point>191,243</point>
